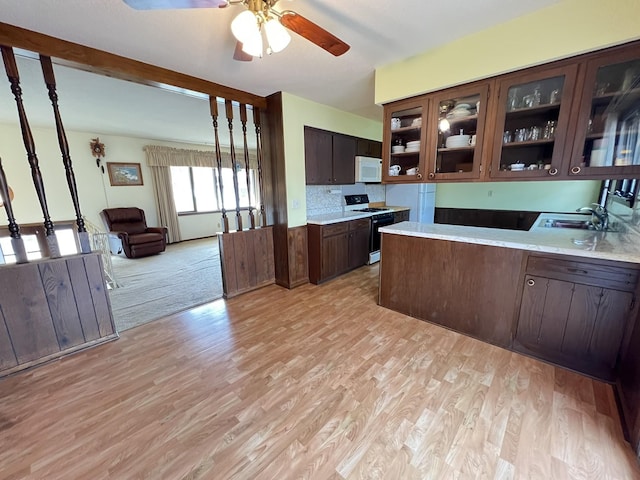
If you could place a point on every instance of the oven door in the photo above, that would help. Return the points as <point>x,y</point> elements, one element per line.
<point>377,222</point>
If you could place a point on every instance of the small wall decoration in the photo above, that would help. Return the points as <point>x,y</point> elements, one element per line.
<point>122,174</point>
<point>97,150</point>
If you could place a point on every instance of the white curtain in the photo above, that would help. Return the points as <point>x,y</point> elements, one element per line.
<point>160,159</point>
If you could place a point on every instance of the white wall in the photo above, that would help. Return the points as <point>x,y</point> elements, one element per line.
<point>94,189</point>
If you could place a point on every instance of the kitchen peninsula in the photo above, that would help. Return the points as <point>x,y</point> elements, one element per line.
<point>566,296</point>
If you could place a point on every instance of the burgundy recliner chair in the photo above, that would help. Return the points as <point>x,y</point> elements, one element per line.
<point>128,231</point>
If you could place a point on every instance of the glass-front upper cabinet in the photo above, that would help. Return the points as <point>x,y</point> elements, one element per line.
<point>607,138</point>
<point>532,121</point>
<point>456,132</point>
<point>404,140</point>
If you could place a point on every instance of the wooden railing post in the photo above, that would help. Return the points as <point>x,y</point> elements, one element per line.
<point>234,166</point>
<point>247,167</point>
<point>14,229</point>
<point>213,107</point>
<point>14,79</point>
<point>256,123</point>
<point>50,81</point>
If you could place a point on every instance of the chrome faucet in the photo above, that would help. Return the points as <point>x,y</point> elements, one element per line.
<point>599,216</point>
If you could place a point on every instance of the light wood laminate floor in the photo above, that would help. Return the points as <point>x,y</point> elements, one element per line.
<point>317,382</point>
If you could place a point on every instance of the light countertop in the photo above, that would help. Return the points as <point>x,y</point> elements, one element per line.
<point>621,246</point>
<point>342,216</point>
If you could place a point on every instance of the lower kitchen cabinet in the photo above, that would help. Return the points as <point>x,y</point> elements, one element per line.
<point>575,313</point>
<point>337,248</point>
<point>401,216</point>
<point>462,286</point>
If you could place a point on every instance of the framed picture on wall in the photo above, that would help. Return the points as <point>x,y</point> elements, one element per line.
<point>123,174</point>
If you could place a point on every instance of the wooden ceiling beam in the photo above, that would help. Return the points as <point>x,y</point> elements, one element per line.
<point>105,63</point>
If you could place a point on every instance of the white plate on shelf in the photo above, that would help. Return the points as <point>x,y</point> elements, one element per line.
<point>413,144</point>
<point>462,105</point>
<point>412,150</point>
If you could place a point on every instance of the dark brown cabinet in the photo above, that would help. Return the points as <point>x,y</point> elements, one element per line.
<point>405,137</point>
<point>369,148</point>
<point>606,140</point>
<point>329,157</point>
<point>532,123</point>
<point>574,118</point>
<point>337,248</point>
<point>575,313</point>
<point>456,132</point>
<point>401,216</point>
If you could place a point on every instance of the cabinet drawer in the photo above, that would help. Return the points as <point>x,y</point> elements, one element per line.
<point>608,276</point>
<point>358,224</point>
<point>335,229</point>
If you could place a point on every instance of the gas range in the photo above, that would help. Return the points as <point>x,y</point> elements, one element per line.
<point>360,203</point>
<point>380,217</point>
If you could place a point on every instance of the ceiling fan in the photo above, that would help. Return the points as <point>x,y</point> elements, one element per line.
<point>248,25</point>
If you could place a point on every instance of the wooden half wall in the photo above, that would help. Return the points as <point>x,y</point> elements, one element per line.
<point>50,308</point>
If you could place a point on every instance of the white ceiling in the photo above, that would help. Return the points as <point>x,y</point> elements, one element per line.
<point>198,42</point>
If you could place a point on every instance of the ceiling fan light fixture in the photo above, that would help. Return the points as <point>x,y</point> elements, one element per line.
<point>252,44</point>
<point>277,36</point>
<point>245,26</point>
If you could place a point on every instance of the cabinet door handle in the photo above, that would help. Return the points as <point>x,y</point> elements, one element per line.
<point>431,175</point>
<point>553,171</point>
<point>576,170</point>
<point>531,282</point>
<point>419,176</point>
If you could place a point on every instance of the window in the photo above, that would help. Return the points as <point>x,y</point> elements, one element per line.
<point>195,189</point>
<point>35,242</point>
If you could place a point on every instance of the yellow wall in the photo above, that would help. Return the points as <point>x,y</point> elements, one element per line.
<point>298,112</point>
<point>568,28</point>
<point>556,196</point>
<point>565,29</point>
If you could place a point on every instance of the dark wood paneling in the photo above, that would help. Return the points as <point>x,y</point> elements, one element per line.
<point>628,384</point>
<point>247,260</point>
<point>369,148</point>
<point>116,66</point>
<point>610,325</point>
<point>454,284</point>
<point>298,256</point>
<point>26,312</point>
<point>47,306</point>
<point>62,303</point>
<point>98,289</point>
<point>7,355</point>
<point>275,143</point>
<point>84,301</point>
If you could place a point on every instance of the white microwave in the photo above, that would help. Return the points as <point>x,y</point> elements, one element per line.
<point>368,170</point>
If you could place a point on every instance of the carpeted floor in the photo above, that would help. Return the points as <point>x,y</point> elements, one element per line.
<point>185,275</point>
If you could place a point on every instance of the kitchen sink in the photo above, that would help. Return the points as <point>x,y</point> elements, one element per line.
<point>577,224</point>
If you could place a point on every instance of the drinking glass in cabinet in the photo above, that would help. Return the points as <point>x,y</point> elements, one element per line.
<point>612,137</point>
<point>531,115</point>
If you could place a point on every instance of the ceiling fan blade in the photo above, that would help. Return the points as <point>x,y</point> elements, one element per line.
<point>239,55</point>
<point>174,4</point>
<point>314,33</point>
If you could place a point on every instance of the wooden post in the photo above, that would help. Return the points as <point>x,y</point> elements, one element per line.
<point>243,119</point>
<point>14,79</point>
<point>14,228</point>
<point>50,81</point>
<point>256,123</point>
<point>234,166</point>
<point>213,107</point>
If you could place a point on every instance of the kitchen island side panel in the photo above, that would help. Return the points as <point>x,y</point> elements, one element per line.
<point>469,288</point>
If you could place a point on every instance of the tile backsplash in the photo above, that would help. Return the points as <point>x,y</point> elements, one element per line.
<point>330,198</point>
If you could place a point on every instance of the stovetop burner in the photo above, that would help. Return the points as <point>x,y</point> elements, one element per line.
<point>371,209</point>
